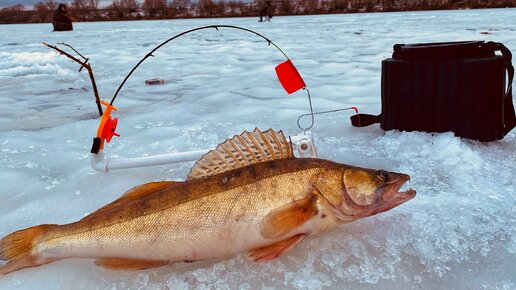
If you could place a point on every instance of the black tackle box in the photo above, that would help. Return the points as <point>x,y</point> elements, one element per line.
<point>464,87</point>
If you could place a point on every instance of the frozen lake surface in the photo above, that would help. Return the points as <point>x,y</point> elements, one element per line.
<point>458,233</point>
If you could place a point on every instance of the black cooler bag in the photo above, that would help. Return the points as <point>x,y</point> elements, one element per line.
<point>455,86</point>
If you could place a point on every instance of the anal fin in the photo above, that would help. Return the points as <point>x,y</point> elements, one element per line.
<point>271,252</point>
<point>287,218</point>
<point>129,264</point>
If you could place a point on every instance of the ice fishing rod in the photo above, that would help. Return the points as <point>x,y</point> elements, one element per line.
<point>287,74</point>
<point>270,42</point>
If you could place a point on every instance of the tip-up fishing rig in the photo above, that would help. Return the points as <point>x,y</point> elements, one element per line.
<point>287,74</point>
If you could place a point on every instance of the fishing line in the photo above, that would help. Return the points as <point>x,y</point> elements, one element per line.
<point>312,113</point>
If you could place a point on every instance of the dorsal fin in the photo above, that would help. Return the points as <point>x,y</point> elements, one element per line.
<point>242,150</point>
<point>134,193</point>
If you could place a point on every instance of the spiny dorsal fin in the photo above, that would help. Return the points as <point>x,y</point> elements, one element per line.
<point>132,194</point>
<point>242,150</point>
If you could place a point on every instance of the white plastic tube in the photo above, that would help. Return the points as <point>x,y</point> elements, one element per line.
<point>303,143</point>
<point>99,163</point>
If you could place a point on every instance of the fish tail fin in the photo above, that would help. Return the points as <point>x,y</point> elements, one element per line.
<point>17,249</point>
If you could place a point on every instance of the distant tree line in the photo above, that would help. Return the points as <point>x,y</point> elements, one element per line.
<point>89,10</point>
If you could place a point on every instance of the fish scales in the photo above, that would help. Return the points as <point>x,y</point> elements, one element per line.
<point>168,228</point>
<point>264,208</point>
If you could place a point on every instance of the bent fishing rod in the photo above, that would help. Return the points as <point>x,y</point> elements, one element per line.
<point>288,76</point>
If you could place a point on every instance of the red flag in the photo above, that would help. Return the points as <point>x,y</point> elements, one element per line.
<point>289,77</point>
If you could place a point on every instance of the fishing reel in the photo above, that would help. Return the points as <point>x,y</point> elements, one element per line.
<point>106,129</point>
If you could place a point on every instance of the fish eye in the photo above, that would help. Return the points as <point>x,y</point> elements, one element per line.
<point>382,175</point>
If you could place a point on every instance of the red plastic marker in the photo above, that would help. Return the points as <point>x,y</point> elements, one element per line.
<point>289,77</point>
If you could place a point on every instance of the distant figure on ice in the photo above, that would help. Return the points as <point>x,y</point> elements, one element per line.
<point>61,20</point>
<point>266,12</point>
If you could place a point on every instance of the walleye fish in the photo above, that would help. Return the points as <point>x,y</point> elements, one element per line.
<point>250,195</point>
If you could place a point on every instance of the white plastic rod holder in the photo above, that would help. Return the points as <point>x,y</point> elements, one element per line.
<point>303,143</point>
<point>99,163</point>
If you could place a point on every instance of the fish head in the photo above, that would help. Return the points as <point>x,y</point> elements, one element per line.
<point>367,192</point>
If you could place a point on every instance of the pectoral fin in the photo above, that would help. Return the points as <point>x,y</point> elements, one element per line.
<point>287,218</point>
<point>129,264</point>
<point>271,252</point>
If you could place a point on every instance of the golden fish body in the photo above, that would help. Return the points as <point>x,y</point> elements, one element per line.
<point>224,207</point>
<point>223,220</point>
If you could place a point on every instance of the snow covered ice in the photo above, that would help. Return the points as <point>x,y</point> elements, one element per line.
<point>458,233</point>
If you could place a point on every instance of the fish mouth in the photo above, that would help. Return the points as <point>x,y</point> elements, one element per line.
<point>407,194</point>
<point>392,195</point>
